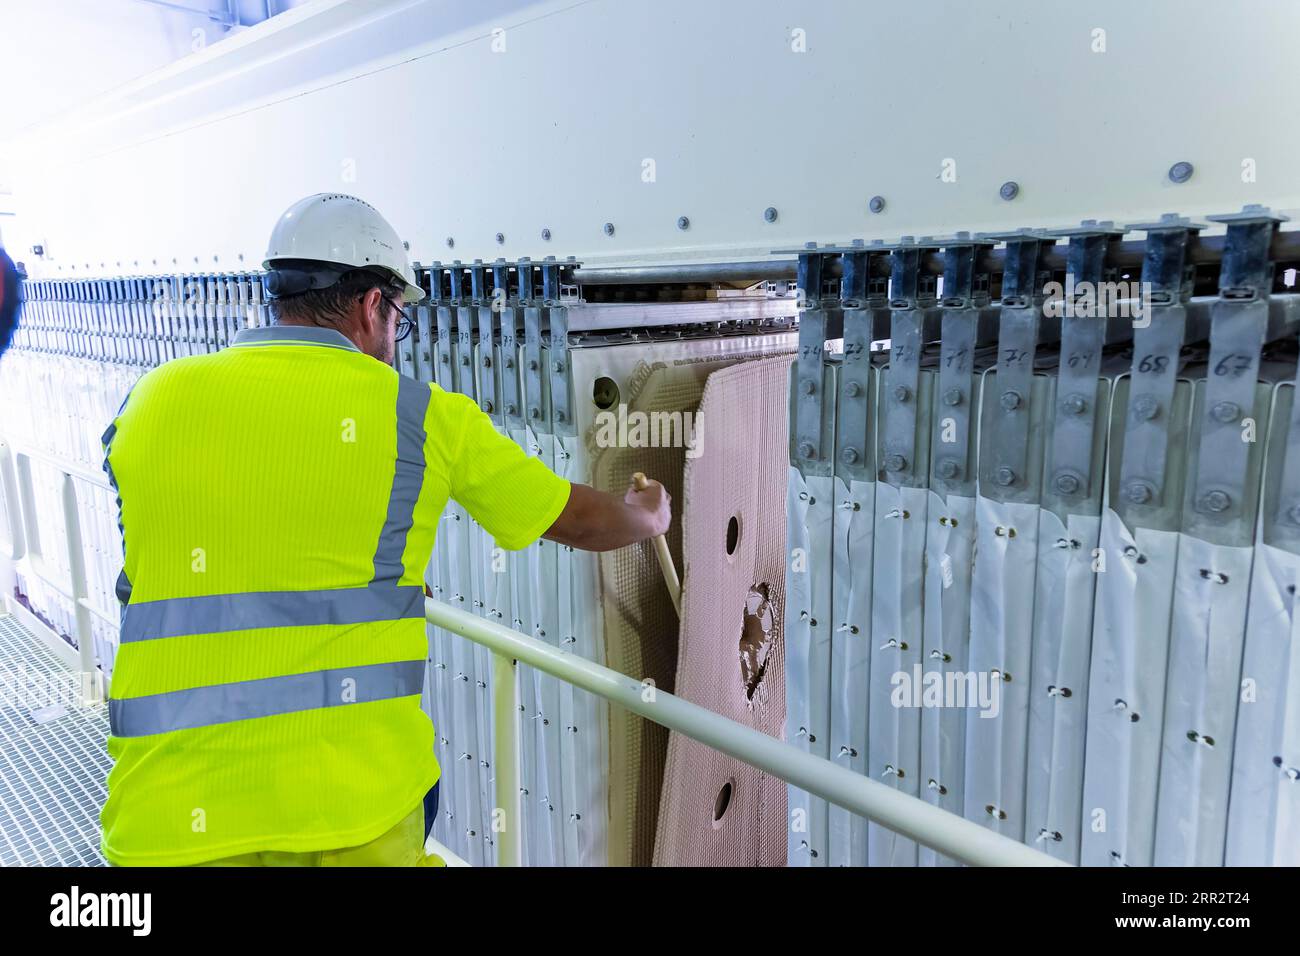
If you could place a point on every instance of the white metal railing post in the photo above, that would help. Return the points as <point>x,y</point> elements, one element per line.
<point>27,505</point>
<point>91,688</point>
<point>912,817</point>
<point>13,507</point>
<point>505,719</point>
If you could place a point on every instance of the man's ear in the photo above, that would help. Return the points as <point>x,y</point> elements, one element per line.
<point>371,316</point>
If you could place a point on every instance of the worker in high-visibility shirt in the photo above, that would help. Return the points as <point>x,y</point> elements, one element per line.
<point>278,506</point>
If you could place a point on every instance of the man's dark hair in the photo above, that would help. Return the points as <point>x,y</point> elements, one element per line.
<point>327,306</point>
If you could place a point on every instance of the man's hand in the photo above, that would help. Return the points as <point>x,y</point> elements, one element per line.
<point>597,521</point>
<point>656,504</point>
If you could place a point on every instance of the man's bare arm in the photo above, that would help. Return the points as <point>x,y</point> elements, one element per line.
<point>598,521</point>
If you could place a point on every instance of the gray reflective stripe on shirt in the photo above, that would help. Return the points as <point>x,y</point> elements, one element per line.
<point>123,587</point>
<point>294,335</point>
<point>217,613</point>
<point>267,697</point>
<point>408,478</point>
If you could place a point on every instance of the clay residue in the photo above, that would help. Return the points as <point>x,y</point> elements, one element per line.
<point>755,638</point>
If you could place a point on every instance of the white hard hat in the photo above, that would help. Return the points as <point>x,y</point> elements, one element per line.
<point>341,231</point>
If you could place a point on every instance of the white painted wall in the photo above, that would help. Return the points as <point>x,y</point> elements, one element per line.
<point>409,104</point>
<point>57,55</point>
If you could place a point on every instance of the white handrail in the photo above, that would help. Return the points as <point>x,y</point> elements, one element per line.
<point>910,816</point>
<point>93,478</point>
<point>75,588</point>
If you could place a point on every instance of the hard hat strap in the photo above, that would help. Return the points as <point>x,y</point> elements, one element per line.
<point>296,277</point>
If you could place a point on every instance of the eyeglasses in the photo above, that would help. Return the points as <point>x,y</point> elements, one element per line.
<point>404,324</point>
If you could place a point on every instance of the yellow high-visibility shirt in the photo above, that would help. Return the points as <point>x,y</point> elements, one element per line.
<point>279,500</point>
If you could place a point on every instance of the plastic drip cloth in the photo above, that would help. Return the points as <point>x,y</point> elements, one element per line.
<point>437,700</point>
<point>530,602</point>
<point>479,600</point>
<point>897,638</point>
<point>543,623</point>
<point>1211,587</point>
<point>461,763</point>
<point>949,553</point>
<point>481,684</point>
<point>1058,703</point>
<point>536,817</point>
<point>495,603</point>
<point>1002,617</point>
<point>809,523</point>
<point>1264,810</point>
<point>854,529</point>
<point>584,731</point>
<point>717,810</point>
<point>1126,694</point>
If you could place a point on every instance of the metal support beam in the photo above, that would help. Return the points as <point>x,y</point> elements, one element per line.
<point>1006,474</point>
<point>1157,346</point>
<point>910,296</point>
<point>1238,326</point>
<point>959,332</point>
<point>1083,333</point>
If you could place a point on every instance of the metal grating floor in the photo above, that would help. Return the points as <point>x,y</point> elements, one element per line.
<point>52,773</point>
